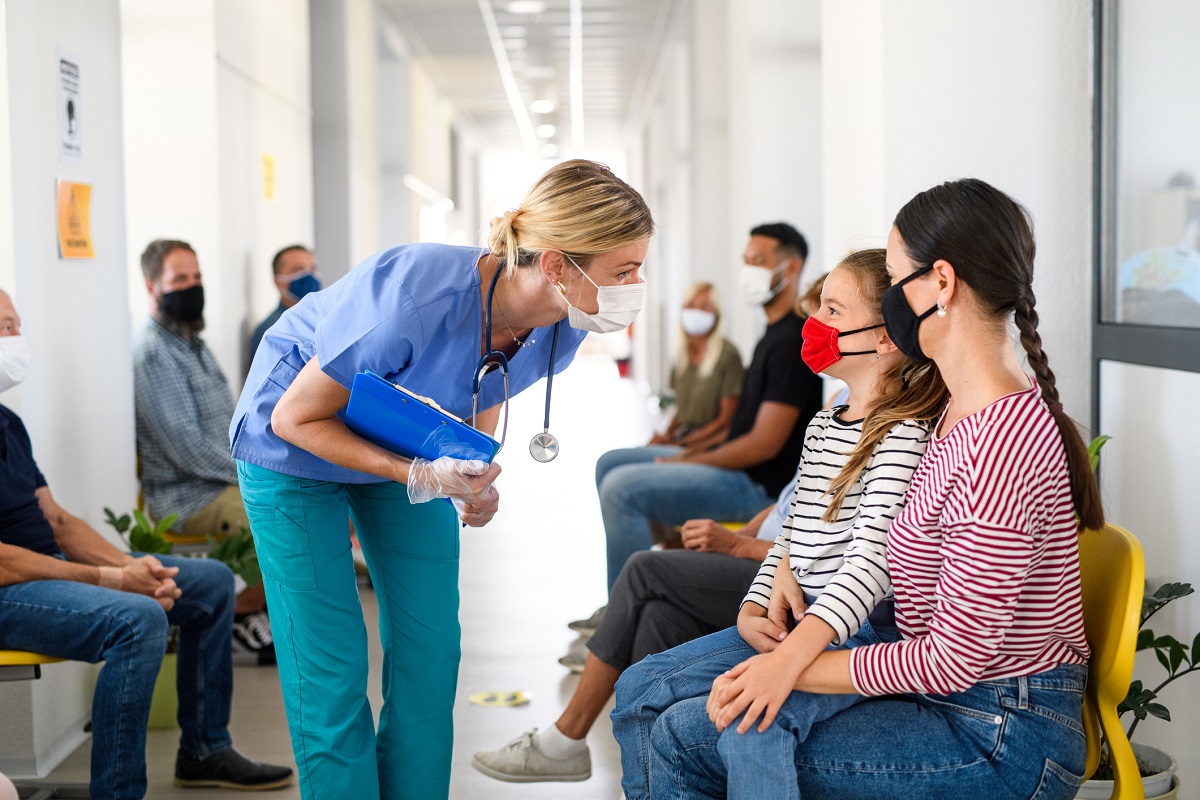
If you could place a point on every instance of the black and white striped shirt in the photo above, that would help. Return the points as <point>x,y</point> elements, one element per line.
<point>843,563</point>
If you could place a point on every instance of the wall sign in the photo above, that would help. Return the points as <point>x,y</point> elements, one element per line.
<point>75,220</point>
<point>70,117</point>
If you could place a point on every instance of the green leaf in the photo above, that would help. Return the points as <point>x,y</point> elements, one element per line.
<point>1093,450</point>
<point>1145,640</point>
<point>1159,710</point>
<point>1177,655</point>
<point>1195,650</point>
<point>142,523</point>
<point>165,523</point>
<point>1162,659</point>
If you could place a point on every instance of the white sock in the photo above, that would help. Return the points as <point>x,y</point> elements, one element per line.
<point>555,744</point>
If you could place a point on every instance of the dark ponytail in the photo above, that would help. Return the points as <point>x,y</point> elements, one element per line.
<point>988,238</point>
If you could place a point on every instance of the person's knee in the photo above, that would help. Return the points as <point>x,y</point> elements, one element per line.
<point>731,744</point>
<point>143,624</point>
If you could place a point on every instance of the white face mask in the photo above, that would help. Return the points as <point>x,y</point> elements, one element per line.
<point>618,306</point>
<point>755,283</point>
<point>14,361</point>
<point>697,321</point>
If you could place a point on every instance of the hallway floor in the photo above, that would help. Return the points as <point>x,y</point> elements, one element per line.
<point>538,565</point>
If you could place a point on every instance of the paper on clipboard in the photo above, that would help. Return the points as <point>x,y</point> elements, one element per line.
<point>410,425</point>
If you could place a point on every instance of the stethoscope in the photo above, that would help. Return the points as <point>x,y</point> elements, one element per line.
<point>543,446</point>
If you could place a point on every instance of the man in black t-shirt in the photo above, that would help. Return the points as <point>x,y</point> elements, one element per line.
<point>735,480</point>
<point>65,591</point>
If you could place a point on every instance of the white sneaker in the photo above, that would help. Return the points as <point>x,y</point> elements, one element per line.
<point>522,761</point>
<point>587,627</point>
<point>576,657</point>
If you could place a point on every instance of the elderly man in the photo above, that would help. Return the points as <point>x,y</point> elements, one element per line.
<point>66,592</point>
<point>183,406</point>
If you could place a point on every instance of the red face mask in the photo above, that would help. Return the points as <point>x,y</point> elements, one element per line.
<point>820,350</point>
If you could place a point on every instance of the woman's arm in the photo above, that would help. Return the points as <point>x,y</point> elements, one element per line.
<point>719,426</point>
<point>306,416</point>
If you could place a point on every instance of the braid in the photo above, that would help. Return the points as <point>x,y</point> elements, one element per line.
<point>1084,492</point>
<point>1026,318</point>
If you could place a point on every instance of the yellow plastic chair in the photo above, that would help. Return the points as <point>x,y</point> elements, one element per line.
<point>1113,573</point>
<point>18,665</point>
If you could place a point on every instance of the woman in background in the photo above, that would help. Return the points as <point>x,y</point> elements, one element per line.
<point>707,378</point>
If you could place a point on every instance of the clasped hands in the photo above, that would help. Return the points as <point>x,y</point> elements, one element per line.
<point>147,575</point>
<point>760,685</point>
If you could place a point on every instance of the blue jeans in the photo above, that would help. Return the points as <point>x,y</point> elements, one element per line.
<point>1011,739</point>
<point>659,682</point>
<point>634,491</point>
<point>303,546</point>
<point>128,632</point>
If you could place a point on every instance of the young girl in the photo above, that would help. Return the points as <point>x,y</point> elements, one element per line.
<point>986,685</point>
<point>857,462</point>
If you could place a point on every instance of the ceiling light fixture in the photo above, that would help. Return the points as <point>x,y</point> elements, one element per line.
<point>576,76</point>
<point>542,106</point>
<point>546,131</point>
<point>524,123</point>
<point>525,7</point>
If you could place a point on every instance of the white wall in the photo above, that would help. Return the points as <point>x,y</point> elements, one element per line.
<point>169,87</point>
<point>1148,480</point>
<point>195,169</point>
<point>346,178</point>
<point>263,109</point>
<point>959,100</point>
<point>732,139</point>
<point>77,401</point>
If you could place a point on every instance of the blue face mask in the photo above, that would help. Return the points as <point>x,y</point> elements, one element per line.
<point>303,283</point>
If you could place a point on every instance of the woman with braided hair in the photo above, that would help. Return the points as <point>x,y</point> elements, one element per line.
<point>982,696</point>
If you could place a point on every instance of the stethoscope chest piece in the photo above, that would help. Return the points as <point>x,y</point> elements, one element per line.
<point>543,447</point>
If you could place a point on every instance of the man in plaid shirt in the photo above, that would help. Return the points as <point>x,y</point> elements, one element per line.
<point>183,406</point>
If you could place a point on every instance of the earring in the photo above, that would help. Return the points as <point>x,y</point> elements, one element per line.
<point>941,312</point>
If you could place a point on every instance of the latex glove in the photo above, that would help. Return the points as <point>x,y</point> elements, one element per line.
<point>450,477</point>
<point>479,513</point>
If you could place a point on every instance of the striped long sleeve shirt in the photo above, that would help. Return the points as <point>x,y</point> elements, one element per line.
<point>843,563</point>
<point>984,559</point>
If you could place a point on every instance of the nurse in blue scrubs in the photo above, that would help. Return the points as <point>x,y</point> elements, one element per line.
<point>566,261</point>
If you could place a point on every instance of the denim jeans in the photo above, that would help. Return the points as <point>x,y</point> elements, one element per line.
<point>650,688</point>
<point>128,632</point>
<point>303,545</point>
<point>634,491</point>
<point>1017,738</point>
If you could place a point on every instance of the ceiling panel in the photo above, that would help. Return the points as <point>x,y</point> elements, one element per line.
<point>621,38</point>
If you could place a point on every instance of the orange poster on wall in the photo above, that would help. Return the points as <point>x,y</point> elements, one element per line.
<point>75,220</point>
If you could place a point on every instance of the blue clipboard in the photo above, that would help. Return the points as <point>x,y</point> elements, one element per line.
<point>398,420</point>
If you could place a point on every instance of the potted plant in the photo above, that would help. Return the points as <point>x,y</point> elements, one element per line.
<point>1178,659</point>
<point>143,535</point>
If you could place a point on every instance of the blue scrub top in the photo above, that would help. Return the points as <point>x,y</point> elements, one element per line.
<point>413,315</point>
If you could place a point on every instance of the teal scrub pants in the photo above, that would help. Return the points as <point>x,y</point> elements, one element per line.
<point>321,640</point>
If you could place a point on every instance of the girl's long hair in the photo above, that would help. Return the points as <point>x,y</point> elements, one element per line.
<point>909,390</point>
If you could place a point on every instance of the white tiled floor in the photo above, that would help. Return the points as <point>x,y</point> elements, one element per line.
<point>539,564</point>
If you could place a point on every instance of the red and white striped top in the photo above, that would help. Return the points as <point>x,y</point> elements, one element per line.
<point>984,559</point>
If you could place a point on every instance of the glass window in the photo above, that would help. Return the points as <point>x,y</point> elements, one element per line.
<point>1150,163</point>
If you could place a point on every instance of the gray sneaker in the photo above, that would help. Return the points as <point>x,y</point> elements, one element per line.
<point>576,657</point>
<point>587,627</point>
<point>521,761</point>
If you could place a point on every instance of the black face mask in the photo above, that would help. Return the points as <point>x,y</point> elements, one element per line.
<point>902,323</point>
<point>184,305</point>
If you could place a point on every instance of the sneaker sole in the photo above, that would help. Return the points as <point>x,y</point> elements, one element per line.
<point>211,784</point>
<point>571,665</point>
<point>507,778</point>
